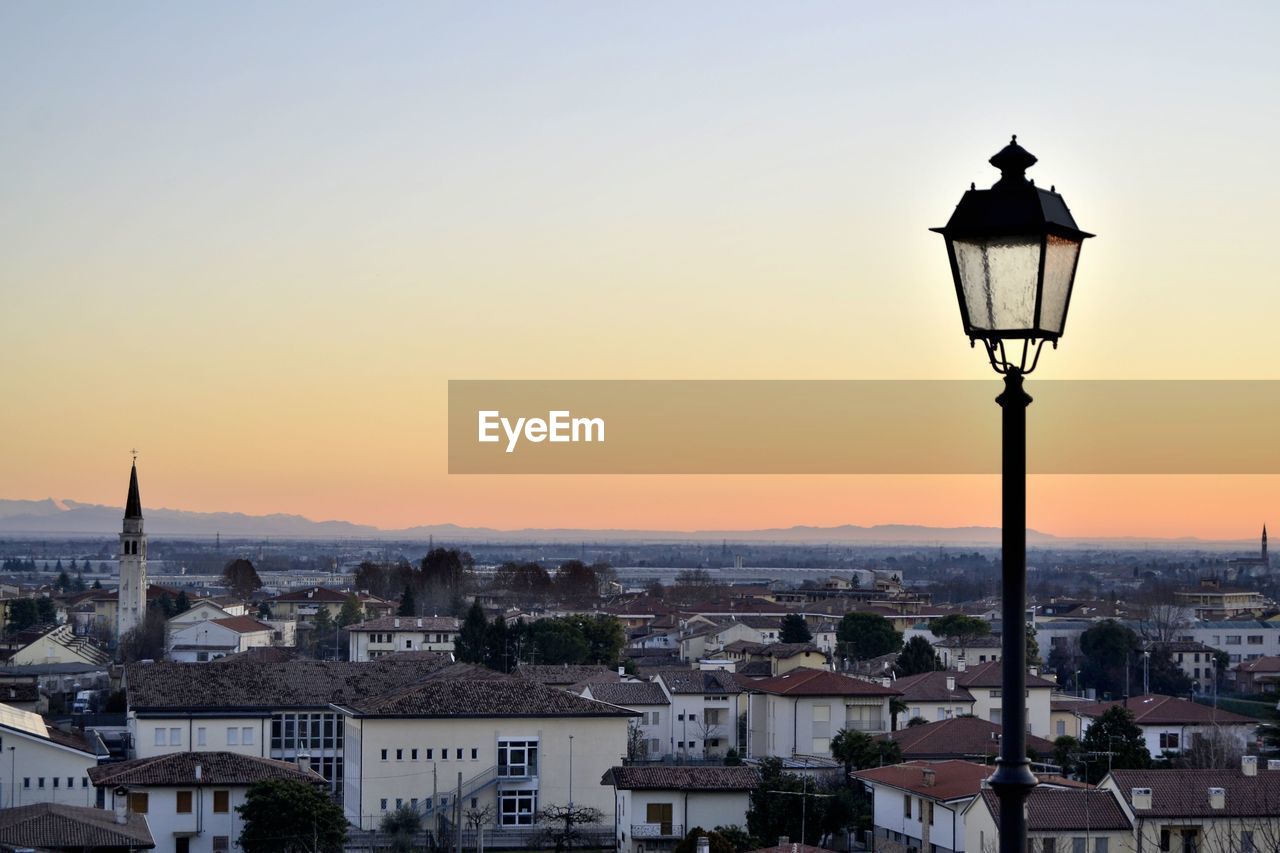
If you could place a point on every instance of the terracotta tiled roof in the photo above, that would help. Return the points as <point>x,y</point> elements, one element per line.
<point>938,780</point>
<point>699,681</point>
<point>311,593</point>
<point>932,687</point>
<point>248,683</point>
<point>629,693</point>
<point>499,696</point>
<point>55,826</point>
<point>682,778</point>
<point>1270,663</point>
<point>562,675</point>
<point>408,623</point>
<point>1065,810</point>
<point>242,624</point>
<point>1157,710</point>
<point>803,681</point>
<point>216,768</point>
<point>1185,793</point>
<point>957,737</point>
<point>989,675</point>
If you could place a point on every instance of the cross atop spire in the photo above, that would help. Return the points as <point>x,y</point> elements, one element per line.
<point>133,504</point>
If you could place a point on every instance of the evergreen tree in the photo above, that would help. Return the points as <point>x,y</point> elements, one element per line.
<point>407,607</point>
<point>497,649</point>
<point>63,583</point>
<point>471,645</point>
<point>182,604</point>
<point>323,630</point>
<point>283,816</point>
<point>1116,733</point>
<point>867,635</point>
<point>352,611</point>
<point>794,629</point>
<point>917,656</point>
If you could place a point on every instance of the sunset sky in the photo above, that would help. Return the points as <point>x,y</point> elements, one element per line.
<point>256,240</point>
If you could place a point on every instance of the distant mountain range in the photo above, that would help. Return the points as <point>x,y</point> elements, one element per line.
<point>73,518</point>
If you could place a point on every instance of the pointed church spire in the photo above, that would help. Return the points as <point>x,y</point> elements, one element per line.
<point>133,505</point>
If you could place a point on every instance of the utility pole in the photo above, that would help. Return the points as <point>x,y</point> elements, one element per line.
<point>458,824</point>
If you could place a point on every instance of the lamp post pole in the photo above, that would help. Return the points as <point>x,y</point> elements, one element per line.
<point>1013,779</point>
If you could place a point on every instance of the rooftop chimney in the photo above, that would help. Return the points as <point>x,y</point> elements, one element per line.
<point>1141,798</point>
<point>784,840</point>
<point>1217,798</point>
<point>303,760</point>
<point>1273,763</point>
<point>960,665</point>
<point>704,844</point>
<point>1249,765</point>
<point>121,803</point>
<point>199,773</point>
<point>930,777</point>
<point>419,621</point>
<point>951,683</point>
<point>1034,671</point>
<point>396,623</point>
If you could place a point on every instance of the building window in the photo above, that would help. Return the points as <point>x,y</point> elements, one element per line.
<point>1078,845</point>
<point>138,802</point>
<point>929,810</point>
<point>458,754</point>
<point>384,755</point>
<point>175,737</point>
<point>1169,740</point>
<point>1101,845</point>
<point>246,736</point>
<point>399,755</point>
<point>200,736</point>
<point>221,844</point>
<point>26,781</point>
<point>475,754</point>
<point>160,739</point>
<point>221,802</point>
<point>906,805</point>
<point>429,755</point>
<point>820,745</point>
<point>56,781</point>
<point>517,758</point>
<point>517,808</point>
<point>1061,728</point>
<point>183,802</point>
<point>233,736</point>
<point>413,754</point>
<point>1233,639</point>
<point>40,782</point>
<point>383,803</point>
<point>1255,640</point>
<point>1246,840</point>
<point>1050,845</point>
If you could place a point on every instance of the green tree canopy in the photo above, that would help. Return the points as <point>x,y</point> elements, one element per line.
<point>283,816</point>
<point>352,611</point>
<point>959,627</point>
<point>794,629</point>
<point>1116,733</point>
<point>859,750</point>
<point>917,656</point>
<point>407,605</point>
<point>471,644</point>
<point>867,635</point>
<point>1109,649</point>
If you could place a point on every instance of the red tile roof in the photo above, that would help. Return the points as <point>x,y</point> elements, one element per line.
<point>937,780</point>
<point>803,681</point>
<point>1157,710</point>
<point>989,675</point>
<point>957,737</point>
<point>932,687</point>
<point>681,778</point>
<point>242,624</point>
<point>1185,793</point>
<point>1065,810</point>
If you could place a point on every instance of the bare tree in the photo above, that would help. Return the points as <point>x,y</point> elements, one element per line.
<point>561,826</point>
<point>1160,618</point>
<point>637,747</point>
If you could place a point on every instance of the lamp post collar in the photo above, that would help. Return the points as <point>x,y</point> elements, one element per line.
<point>1013,161</point>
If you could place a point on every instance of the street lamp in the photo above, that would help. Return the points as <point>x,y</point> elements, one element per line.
<point>1013,251</point>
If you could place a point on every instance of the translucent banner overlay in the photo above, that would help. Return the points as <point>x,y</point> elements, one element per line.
<point>858,427</point>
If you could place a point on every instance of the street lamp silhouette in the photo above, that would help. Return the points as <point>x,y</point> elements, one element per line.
<point>1013,251</point>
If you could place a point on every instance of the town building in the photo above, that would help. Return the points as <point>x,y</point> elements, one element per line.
<point>932,696</point>
<point>50,644</point>
<point>985,682</point>
<point>504,743</point>
<point>705,708</point>
<point>799,712</point>
<point>1201,811</point>
<point>189,799</point>
<point>210,639</point>
<point>653,736</point>
<point>656,806</point>
<point>44,764</point>
<point>1260,676</point>
<point>1173,725</point>
<point>372,638</point>
<point>266,708</point>
<point>1196,660</point>
<point>920,805</point>
<point>967,738</point>
<point>1070,820</point>
<point>131,606</point>
<point>82,829</point>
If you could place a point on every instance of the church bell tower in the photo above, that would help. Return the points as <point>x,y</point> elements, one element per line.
<point>131,606</point>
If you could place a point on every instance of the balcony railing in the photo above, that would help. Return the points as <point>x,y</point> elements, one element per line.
<point>657,830</point>
<point>865,725</point>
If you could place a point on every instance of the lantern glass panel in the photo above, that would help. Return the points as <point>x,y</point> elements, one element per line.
<point>998,279</point>
<point>1059,268</point>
